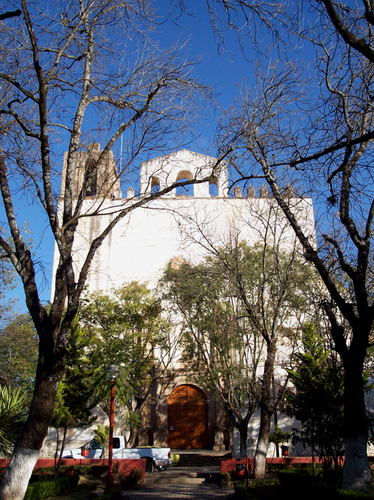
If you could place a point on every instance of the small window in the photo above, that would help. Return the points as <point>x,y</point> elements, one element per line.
<point>94,445</point>
<point>213,189</point>
<point>155,185</point>
<point>187,190</point>
<point>92,184</point>
<point>116,442</point>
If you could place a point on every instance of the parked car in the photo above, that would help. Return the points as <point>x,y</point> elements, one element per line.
<point>159,458</point>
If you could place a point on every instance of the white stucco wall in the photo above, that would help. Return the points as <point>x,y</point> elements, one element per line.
<point>142,244</point>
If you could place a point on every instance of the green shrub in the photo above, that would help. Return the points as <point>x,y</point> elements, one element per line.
<point>225,479</point>
<point>88,486</point>
<point>255,490</point>
<point>45,489</point>
<point>353,494</point>
<point>295,479</point>
<point>264,483</point>
<point>242,493</point>
<point>82,470</point>
<point>113,494</point>
<point>133,478</point>
<point>136,475</point>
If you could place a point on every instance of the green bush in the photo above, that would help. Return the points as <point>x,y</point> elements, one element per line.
<point>45,489</point>
<point>225,479</point>
<point>82,470</point>
<point>343,494</point>
<point>266,489</point>
<point>242,493</point>
<point>91,486</point>
<point>134,478</point>
<point>293,482</point>
<point>113,494</point>
<point>295,479</point>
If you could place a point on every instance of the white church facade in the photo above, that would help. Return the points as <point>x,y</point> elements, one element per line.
<point>173,228</point>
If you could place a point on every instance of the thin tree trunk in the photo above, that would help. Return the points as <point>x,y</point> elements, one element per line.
<point>57,466</point>
<point>243,433</point>
<point>132,437</point>
<point>259,465</point>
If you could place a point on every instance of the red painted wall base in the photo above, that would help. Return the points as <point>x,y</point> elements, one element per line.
<point>229,465</point>
<point>126,466</point>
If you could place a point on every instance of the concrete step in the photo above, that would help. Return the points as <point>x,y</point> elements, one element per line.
<point>176,480</point>
<point>201,459</point>
<point>184,475</point>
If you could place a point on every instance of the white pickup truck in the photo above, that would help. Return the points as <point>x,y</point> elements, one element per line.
<point>159,458</point>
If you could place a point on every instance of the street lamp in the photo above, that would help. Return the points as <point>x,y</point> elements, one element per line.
<point>112,371</point>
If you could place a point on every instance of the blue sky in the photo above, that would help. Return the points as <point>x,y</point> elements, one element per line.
<point>224,72</point>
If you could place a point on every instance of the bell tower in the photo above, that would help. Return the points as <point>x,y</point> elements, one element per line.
<point>105,182</point>
<point>184,165</point>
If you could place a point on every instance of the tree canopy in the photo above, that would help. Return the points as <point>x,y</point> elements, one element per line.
<point>18,353</point>
<point>238,307</point>
<point>318,398</point>
<point>131,333</point>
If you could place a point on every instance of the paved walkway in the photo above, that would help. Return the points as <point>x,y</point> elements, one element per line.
<point>204,491</point>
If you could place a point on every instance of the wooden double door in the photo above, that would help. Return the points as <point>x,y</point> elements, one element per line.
<point>188,418</point>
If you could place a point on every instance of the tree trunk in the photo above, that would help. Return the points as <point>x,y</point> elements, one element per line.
<point>132,437</point>
<point>26,452</point>
<point>17,474</point>
<point>356,474</point>
<point>58,464</point>
<point>243,433</point>
<point>259,464</point>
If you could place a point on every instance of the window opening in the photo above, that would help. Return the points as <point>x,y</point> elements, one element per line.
<point>92,184</point>
<point>213,189</point>
<point>187,190</point>
<point>155,185</point>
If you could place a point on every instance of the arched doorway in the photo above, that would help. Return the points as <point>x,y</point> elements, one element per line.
<point>188,418</point>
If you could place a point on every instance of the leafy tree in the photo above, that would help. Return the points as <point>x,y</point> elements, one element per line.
<point>131,334</point>
<point>318,398</point>
<point>101,435</point>
<point>278,436</point>
<point>18,353</point>
<point>219,352</point>
<point>70,70</point>
<point>13,414</point>
<point>237,308</point>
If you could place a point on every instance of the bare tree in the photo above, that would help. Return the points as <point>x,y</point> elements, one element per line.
<point>316,131</point>
<point>69,69</point>
<point>323,150</point>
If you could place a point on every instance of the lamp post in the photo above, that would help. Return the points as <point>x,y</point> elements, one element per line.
<point>113,371</point>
